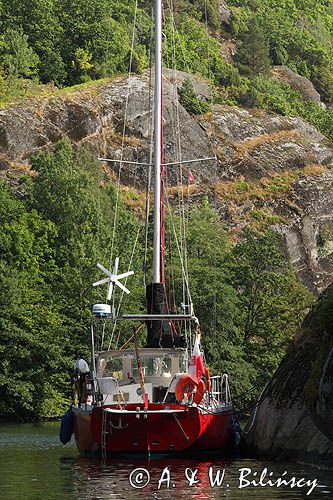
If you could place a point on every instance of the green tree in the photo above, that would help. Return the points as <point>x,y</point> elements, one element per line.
<point>272,300</point>
<point>42,25</point>
<point>191,50</point>
<point>49,246</point>
<point>82,64</point>
<point>32,340</point>
<point>248,300</point>
<point>215,299</point>
<point>298,34</point>
<point>17,58</point>
<point>190,100</point>
<point>253,55</point>
<point>68,191</point>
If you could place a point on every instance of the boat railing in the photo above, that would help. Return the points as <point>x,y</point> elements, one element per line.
<point>220,388</point>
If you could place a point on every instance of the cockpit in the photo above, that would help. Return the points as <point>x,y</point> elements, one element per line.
<point>118,374</point>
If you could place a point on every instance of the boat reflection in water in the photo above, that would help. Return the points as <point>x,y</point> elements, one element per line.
<point>157,478</point>
<point>170,478</point>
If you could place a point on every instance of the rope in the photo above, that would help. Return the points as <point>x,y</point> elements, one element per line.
<point>104,432</point>
<point>237,413</point>
<point>142,379</point>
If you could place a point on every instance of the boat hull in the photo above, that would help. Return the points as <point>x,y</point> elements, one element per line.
<point>170,429</point>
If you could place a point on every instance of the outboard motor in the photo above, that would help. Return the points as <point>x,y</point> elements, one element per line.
<point>81,367</point>
<point>81,370</point>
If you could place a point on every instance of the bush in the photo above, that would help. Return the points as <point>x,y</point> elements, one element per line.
<point>190,100</point>
<point>261,92</point>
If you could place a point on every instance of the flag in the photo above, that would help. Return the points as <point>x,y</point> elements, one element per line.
<point>191,177</point>
<point>196,368</point>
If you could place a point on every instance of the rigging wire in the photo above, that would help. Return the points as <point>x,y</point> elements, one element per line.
<point>250,407</point>
<point>177,140</point>
<point>150,134</point>
<point>103,335</point>
<point>176,129</point>
<point>122,293</point>
<point>178,247</point>
<point>213,143</point>
<point>123,132</point>
<point>115,218</point>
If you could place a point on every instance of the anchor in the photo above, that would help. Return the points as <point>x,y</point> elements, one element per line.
<point>119,426</point>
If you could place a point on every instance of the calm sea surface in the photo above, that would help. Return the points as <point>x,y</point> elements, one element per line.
<point>34,465</point>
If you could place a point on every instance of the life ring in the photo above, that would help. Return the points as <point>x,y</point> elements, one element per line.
<point>201,387</point>
<point>208,381</point>
<point>185,384</point>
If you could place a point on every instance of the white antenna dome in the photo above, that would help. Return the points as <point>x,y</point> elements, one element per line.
<point>101,310</point>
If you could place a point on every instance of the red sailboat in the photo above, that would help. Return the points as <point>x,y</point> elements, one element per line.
<point>160,398</point>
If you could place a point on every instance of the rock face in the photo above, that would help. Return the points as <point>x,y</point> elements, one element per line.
<point>295,417</point>
<point>224,13</point>
<point>297,82</point>
<point>269,169</point>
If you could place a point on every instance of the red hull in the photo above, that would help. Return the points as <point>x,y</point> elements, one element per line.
<point>162,431</point>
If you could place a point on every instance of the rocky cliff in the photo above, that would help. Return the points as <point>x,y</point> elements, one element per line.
<point>294,417</point>
<point>269,169</point>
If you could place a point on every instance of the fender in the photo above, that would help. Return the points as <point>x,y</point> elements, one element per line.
<point>66,427</point>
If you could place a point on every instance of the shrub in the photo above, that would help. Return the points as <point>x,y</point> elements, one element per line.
<point>190,100</point>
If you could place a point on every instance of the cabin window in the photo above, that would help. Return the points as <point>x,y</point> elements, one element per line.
<point>153,366</point>
<point>110,368</point>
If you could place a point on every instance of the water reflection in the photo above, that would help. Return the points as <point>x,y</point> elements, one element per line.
<point>34,466</point>
<point>170,478</point>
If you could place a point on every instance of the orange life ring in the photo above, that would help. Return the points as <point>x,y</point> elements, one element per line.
<point>200,392</point>
<point>184,385</point>
<point>208,381</point>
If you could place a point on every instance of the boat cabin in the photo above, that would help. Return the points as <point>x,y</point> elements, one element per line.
<point>118,376</point>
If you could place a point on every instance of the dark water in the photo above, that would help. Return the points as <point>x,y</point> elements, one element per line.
<point>34,465</point>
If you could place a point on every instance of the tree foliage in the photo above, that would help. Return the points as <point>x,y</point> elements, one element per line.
<point>190,100</point>
<point>75,41</point>
<point>253,55</point>
<point>247,298</point>
<point>17,58</point>
<point>50,243</point>
<point>249,301</point>
<point>298,33</point>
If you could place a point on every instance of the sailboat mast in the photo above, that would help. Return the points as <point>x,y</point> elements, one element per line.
<point>157,278</point>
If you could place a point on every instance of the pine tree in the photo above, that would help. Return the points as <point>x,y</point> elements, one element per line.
<point>253,56</point>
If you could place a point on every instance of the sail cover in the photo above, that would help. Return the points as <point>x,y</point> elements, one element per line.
<point>160,333</point>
